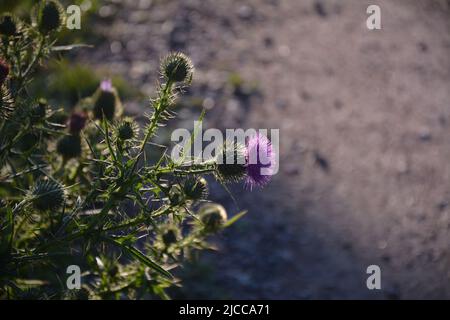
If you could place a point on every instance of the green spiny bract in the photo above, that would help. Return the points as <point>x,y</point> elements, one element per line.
<point>51,16</point>
<point>47,195</point>
<point>177,67</point>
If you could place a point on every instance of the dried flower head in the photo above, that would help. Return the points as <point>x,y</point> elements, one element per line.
<point>230,161</point>
<point>77,121</point>
<point>47,195</point>
<point>4,71</point>
<point>177,67</point>
<point>8,25</point>
<point>213,216</point>
<point>69,146</point>
<point>51,16</point>
<point>260,160</point>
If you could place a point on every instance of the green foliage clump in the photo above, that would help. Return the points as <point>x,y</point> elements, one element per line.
<point>77,189</point>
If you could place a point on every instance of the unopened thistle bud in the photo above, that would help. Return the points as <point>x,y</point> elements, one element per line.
<point>106,101</point>
<point>126,129</point>
<point>38,111</point>
<point>51,17</point>
<point>231,162</point>
<point>170,236</point>
<point>177,67</point>
<point>69,146</point>
<point>8,25</point>
<point>77,121</point>
<point>47,195</point>
<point>4,71</point>
<point>176,195</point>
<point>196,188</point>
<point>213,216</point>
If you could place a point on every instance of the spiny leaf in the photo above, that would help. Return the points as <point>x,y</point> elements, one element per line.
<point>235,218</point>
<point>143,258</point>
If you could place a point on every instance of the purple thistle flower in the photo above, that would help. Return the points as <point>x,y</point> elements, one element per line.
<point>260,161</point>
<point>106,85</point>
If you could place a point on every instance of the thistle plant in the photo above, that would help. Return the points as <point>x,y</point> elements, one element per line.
<point>86,193</point>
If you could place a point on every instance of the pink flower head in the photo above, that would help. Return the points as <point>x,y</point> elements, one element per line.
<point>106,85</point>
<point>260,161</point>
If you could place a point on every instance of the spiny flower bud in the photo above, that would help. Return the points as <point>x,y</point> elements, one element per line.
<point>8,25</point>
<point>177,67</point>
<point>69,146</point>
<point>4,71</point>
<point>176,195</point>
<point>47,195</point>
<point>213,216</point>
<point>77,121</point>
<point>106,101</point>
<point>196,188</point>
<point>126,129</point>
<point>38,111</point>
<point>231,162</point>
<point>51,16</point>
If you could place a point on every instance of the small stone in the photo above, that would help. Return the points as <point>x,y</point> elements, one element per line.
<point>423,47</point>
<point>320,9</point>
<point>321,161</point>
<point>245,12</point>
<point>442,205</point>
<point>425,135</point>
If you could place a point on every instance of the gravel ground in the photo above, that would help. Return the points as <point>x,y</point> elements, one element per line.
<point>364,124</point>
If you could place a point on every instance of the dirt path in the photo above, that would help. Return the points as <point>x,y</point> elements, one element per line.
<point>364,125</point>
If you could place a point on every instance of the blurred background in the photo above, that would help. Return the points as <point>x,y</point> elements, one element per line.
<point>364,119</point>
